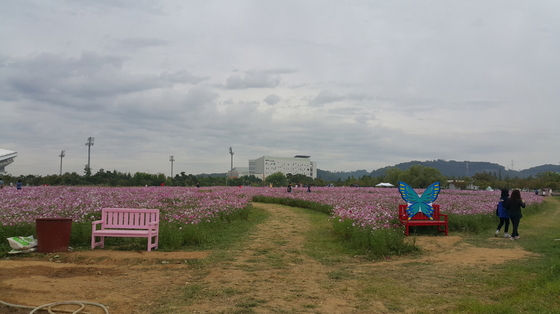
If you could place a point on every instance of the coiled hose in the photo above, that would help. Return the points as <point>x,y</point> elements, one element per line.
<point>50,307</point>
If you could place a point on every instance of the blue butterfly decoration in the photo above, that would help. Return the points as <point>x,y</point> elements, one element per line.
<point>418,203</point>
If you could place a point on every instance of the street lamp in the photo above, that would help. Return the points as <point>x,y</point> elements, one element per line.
<point>89,144</point>
<point>231,153</point>
<point>172,160</point>
<point>62,154</point>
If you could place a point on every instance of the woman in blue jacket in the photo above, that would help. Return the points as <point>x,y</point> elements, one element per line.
<point>503,214</point>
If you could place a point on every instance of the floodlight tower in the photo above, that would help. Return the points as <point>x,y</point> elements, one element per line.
<point>89,144</point>
<point>62,154</point>
<point>231,153</point>
<point>172,159</point>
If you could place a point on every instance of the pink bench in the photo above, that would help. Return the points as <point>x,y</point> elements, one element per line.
<point>127,223</point>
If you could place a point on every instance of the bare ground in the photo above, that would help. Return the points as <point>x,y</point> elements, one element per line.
<point>271,274</point>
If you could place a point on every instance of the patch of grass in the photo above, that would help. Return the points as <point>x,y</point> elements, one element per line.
<point>194,292</point>
<point>318,207</point>
<point>373,244</point>
<point>222,232</point>
<point>269,257</point>
<point>471,223</point>
<point>280,242</point>
<point>481,223</point>
<point>362,241</point>
<point>249,302</point>
<point>523,286</point>
<point>322,243</point>
<point>340,274</point>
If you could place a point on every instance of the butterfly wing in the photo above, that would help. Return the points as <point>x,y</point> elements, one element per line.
<point>428,197</point>
<point>417,203</point>
<point>411,198</point>
<point>431,193</point>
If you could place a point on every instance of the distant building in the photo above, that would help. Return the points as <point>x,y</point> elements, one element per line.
<point>238,172</point>
<point>6,158</point>
<point>267,165</point>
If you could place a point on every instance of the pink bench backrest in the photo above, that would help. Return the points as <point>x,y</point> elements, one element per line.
<point>129,218</point>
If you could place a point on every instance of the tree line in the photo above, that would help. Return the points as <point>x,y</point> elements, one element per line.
<point>416,176</point>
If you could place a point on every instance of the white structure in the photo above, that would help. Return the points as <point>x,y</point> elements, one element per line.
<point>267,165</point>
<point>6,158</point>
<point>238,172</point>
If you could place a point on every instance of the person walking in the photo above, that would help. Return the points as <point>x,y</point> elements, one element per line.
<point>503,214</point>
<point>513,206</point>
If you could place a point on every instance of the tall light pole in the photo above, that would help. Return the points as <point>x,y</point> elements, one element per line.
<point>89,144</point>
<point>231,153</point>
<point>62,154</point>
<point>172,160</point>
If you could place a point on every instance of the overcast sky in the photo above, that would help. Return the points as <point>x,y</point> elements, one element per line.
<point>353,84</point>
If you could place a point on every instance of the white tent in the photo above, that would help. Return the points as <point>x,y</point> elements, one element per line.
<point>385,185</point>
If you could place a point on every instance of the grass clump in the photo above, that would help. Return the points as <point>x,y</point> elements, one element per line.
<point>373,243</point>
<point>318,207</point>
<point>481,223</point>
<point>530,285</point>
<point>216,233</point>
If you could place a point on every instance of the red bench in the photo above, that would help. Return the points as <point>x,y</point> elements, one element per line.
<point>127,223</point>
<point>440,220</point>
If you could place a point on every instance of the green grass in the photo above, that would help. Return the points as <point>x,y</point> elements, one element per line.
<point>341,233</point>
<point>529,286</point>
<point>292,202</point>
<point>217,234</point>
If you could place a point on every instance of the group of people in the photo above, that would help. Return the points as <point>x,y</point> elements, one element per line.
<point>509,208</point>
<point>18,184</point>
<point>289,190</point>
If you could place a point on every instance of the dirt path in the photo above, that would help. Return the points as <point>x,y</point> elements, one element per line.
<point>270,274</point>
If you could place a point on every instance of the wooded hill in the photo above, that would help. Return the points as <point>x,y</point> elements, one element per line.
<point>449,168</point>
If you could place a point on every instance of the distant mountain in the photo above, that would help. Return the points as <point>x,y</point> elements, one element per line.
<point>538,169</point>
<point>334,176</point>
<point>449,168</point>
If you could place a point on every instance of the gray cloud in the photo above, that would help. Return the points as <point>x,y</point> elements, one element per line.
<point>272,99</point>
<point>139,43</point>
<point>325,97</point>
<point>359,85</point>
<point>256,79</point>
<point>81,82</point>
<point>252,80</point>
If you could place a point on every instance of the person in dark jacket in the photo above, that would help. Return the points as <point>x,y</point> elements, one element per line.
<point>513,207</point>
<point>503,214</point>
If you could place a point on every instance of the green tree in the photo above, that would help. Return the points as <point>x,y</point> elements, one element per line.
<point>319,182</point>
<point>484,180</point>
<point>87,171</point>
<point>416,176</point>
<point>277,179</point>
<point>393,175</point>
<point>299,179</point>
<point>548,179</point>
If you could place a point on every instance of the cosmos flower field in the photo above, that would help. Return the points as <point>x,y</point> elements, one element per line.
<point>374,208</point>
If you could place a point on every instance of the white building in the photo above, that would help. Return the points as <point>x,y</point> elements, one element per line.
<point>267,165</point>
<point>239,172</point>
<point>6,158</point>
